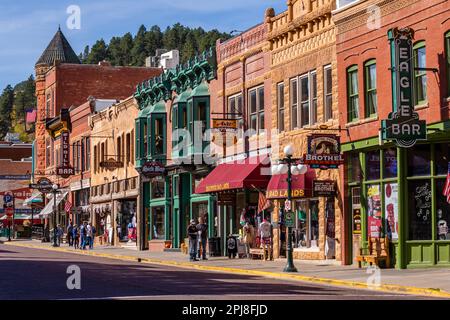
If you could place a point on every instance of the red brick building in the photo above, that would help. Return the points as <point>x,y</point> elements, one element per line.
<point>63,85</point>
<point>388,190</point>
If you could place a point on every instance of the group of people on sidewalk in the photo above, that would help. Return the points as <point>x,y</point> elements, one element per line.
<point>81,237</point>
<point>198,237</point>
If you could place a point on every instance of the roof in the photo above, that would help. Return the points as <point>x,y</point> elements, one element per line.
<point>58,49</point>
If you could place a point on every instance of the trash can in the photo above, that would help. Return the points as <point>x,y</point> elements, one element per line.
<point>214,247</point>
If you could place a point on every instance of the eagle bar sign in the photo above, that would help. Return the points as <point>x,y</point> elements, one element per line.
<point>403,125</point>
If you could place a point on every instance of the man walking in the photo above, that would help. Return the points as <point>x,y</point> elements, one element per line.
<point>193,240</point>
<point>93,231</point>
<point>202,229</point>
<point>83,236</point>
<point>89,235</point>
<point>70,234</point>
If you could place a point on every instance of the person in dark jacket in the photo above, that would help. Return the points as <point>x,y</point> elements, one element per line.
<point>202,228</point>
<point>193,240</point>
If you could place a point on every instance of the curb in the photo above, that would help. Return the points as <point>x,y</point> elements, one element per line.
<point>389,288</point>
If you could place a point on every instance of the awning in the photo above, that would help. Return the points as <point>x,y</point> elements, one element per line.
<point>36,197</point>
<point>301,185</point>
<point>21,217</point>
<point>49,207</point>
<point>248,173</point>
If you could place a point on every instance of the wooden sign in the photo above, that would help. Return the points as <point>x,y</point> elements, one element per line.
<point>111,164</point>
<point>324,188</point>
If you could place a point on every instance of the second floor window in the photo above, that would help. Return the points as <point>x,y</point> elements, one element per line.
<point>256,107</point>
<point>235,109</point>
<point>327,93</point>
<point>304,96</point>
<point>128,146</point>
<point>420,81</point>
<point>145,142</point>
<point>159,136</point>
<point>447,54</point>
<point>280,103</point>
<point>370,73</point>
<point>353,94</point>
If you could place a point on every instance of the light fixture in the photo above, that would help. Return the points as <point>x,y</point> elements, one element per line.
<point>302,169</point>
<point>55,187</point>
<point>283,169</point>
<point>289,151</point>
<point>295,171</point>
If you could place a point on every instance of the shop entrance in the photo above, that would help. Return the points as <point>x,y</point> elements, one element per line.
<point>356,221</point>
<point>306,232</point>
<point>126,221</point>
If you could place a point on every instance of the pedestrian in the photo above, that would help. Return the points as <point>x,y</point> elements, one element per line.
<point>76,237</point>
<point>266,238</point>
<point>70,234</point>
<point>89,235</point>
<point>83,239</point>
<point>249,237</point>
<point>193,240</point>
<point>202,229</point>
<point>59,234</point>
<point>93,231</point>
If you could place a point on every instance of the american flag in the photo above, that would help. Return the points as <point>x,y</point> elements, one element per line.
<point>263,203</point>
<point>447,185</point>
<point>68,206</point>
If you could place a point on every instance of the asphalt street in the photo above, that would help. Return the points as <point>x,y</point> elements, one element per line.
<point>41,274</point>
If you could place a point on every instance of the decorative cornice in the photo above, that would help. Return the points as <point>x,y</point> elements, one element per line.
<point>188,76</point>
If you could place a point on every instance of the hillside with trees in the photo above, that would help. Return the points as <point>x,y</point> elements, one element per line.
<point>127,50</point>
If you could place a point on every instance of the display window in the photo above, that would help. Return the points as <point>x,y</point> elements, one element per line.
<point>307,226</point>
<point>158,223</point>
<point>442,212</point>
<point>420,202</point>
<point>419,160</point>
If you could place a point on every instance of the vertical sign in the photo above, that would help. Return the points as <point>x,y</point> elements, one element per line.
<point>65,170</point>
<point>403,125</point>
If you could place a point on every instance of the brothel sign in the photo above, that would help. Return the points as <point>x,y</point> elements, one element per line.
<point>403,125</point>
<point>324,152</point>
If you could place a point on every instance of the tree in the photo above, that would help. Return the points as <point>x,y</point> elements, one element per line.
<point>6,108</point>
<point>98,52</point>
<point>126,45</point>
<point>190,48</point>
<point>139,51</point>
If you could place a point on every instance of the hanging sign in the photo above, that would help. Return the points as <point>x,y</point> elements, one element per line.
<point>44,185</point>
<point>65,170</point>
<point>324,152</point>
<point>153,169</point>
<point>224,132</point>
<point>111,164</point>
<point>403,125</point>
<point>324,188</point>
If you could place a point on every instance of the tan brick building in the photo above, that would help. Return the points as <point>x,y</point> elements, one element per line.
<point>114,189</point>
<point>304,102</point>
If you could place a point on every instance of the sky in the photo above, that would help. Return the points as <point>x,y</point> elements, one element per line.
<point>27,26</point>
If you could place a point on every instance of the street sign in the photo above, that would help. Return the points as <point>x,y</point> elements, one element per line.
<point>287,205</point>
<point>44,185</point>
<point>289,219</point>
<point>9,212</point>
<point>8,198</point>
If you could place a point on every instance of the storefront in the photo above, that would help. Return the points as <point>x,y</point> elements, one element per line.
<point>126,220</point>
<point>237,186</point>
<point>398,193</point>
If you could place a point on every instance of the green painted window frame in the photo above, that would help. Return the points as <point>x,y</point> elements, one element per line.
<point>352,109</point>
<point>370,89</point>
<point>447,55</point>
<point>154,118</point>
<point>419,75</point>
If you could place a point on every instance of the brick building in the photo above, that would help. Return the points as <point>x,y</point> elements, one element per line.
<point>62,82</point>
<point>391,191</point>
<point>304,102</point>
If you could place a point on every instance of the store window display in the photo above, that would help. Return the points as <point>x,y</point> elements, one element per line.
<point>158,223</point>
<point>443,213</point>
<point>307,229</point>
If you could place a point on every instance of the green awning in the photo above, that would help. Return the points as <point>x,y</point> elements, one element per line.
<point>201,90</point>
<point>159,107</point>
<point>144,112</point>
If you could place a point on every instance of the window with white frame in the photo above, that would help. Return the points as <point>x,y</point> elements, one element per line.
<point>304,95</point>
<point>327,93</point>
<point>235,109</point>
<point>256,107</point>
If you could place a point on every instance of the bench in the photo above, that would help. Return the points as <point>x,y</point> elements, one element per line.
<point>257,253</point>
<point>378,250</point>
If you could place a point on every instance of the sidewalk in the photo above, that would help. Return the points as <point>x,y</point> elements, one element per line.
<point>428,282</point>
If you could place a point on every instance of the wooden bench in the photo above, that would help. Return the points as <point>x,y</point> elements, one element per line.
<point>377,251</point>
<point>257,253</point>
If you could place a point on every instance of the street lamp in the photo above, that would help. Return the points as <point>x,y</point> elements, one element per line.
<point>54,191</point>
<point>289,165</point>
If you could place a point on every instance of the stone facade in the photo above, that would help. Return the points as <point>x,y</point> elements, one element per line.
<point>112,137</point>
<point>301,40</point>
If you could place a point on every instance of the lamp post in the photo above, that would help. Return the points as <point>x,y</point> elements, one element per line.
<point>54,191</point>
<point>289,165</point>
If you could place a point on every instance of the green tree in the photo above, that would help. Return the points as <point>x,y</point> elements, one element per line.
<point>126,45</point>
<point>98,52</point>
<point>190,48</point>
<point>139,51</point>
<point>6,108</point>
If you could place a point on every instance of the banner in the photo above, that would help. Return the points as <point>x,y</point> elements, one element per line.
<point>374,211</point>
<point>391,210</point>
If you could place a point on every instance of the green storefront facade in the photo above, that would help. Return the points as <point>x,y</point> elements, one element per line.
<point>398,193</point>
<point>170,129</point>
